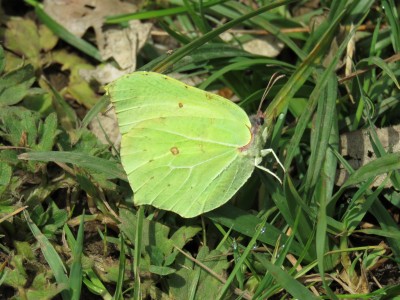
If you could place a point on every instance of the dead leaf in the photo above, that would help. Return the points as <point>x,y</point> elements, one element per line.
<point>103,74</point>
<point>78,16</point>
<point>356,146</point>
<point>124,44</point>
<point>105,127</point>
<point>268,46</point>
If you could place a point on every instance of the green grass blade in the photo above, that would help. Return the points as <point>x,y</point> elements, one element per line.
<point>121,270</point>
<point>262,22</point>
<point>387,223</point>
<point>241,65</point>
<point>321,132</point>
<point>137,253</point>
<point>118,19</point>
<point>95,110</point>
<point>321,238</point>
<point>180,53</point>
<point>153,14</point>
<point>260,228</point>
<point>301,75</point>
<point>76,274</point>
<point>95,285</point>
<point>246,223</point>
<point>385,164</point>
<point>110,168</point>
<point>197,20</point>
<point>297,80</point>
<point>51,256</point>
<point>359,205</point>
<point>384,66</point>
<point>291,285</point>
<point>390,9</point>
<point>92,281</point>
<point>2,60</point>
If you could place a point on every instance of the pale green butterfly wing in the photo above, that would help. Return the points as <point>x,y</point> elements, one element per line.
<point>183,149</point>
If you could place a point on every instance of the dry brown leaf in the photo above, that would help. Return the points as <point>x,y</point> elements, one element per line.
<point>124,44</point>
<point>78,16</point>
<point>105,127</point>
<point>357,149</point>
<point>103,74</point>
<point>268,46</point>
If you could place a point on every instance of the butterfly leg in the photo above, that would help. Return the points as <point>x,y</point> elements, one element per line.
<point>265,152</point>
<point>268,171</point>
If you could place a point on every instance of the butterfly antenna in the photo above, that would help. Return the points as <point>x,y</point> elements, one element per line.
<point>274,78</point>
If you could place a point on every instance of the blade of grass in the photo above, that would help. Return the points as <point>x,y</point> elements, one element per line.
<point>153,14</point>
<point>51,256</point>
<point>393,20</point>
<point>385,164</point>
<point>197,20</point>
<point>95,286</point>
<point>359,205</point>
<point>200,57</point>
<point>121,270</point>
<point>137,253</point>
<point>246,223</point>
<point>92,281</point>
<point>241,65</point>
<point>377,61</point>
<point>65,114</point>
<point>95,110</point>
<point>262,22</point>
<point>180,53</point>
<point>323,193</point>
<point>76,274</point>
<point>260,228</point>
<point>298,78</point>
<point>322,244</point>
<point>387,223</point>
<point>321,132</point>
<point>111,168</point>
<point>2,60</point>
<point>291,285</point>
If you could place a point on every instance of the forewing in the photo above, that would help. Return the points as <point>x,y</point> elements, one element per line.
<point>180,145</point>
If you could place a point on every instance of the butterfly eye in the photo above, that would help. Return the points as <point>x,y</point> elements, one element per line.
<point>260,120</point>
<point>257,120</point>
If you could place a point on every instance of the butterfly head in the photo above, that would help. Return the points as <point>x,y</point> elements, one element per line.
<point>258,132</point>
<point>258,126</point>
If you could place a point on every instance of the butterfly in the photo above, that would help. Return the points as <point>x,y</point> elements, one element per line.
<point>184,149</point>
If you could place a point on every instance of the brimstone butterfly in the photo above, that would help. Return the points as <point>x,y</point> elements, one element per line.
<point>184,149</point>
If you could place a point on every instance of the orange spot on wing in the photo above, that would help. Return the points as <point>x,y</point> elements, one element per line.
<point>174,150</point>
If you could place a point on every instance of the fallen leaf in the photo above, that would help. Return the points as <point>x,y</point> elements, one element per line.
<point>78,16</point>
<point>268,46</point>
<point>124,44</point>
<point>105,128</point>
<point>357,148</point>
